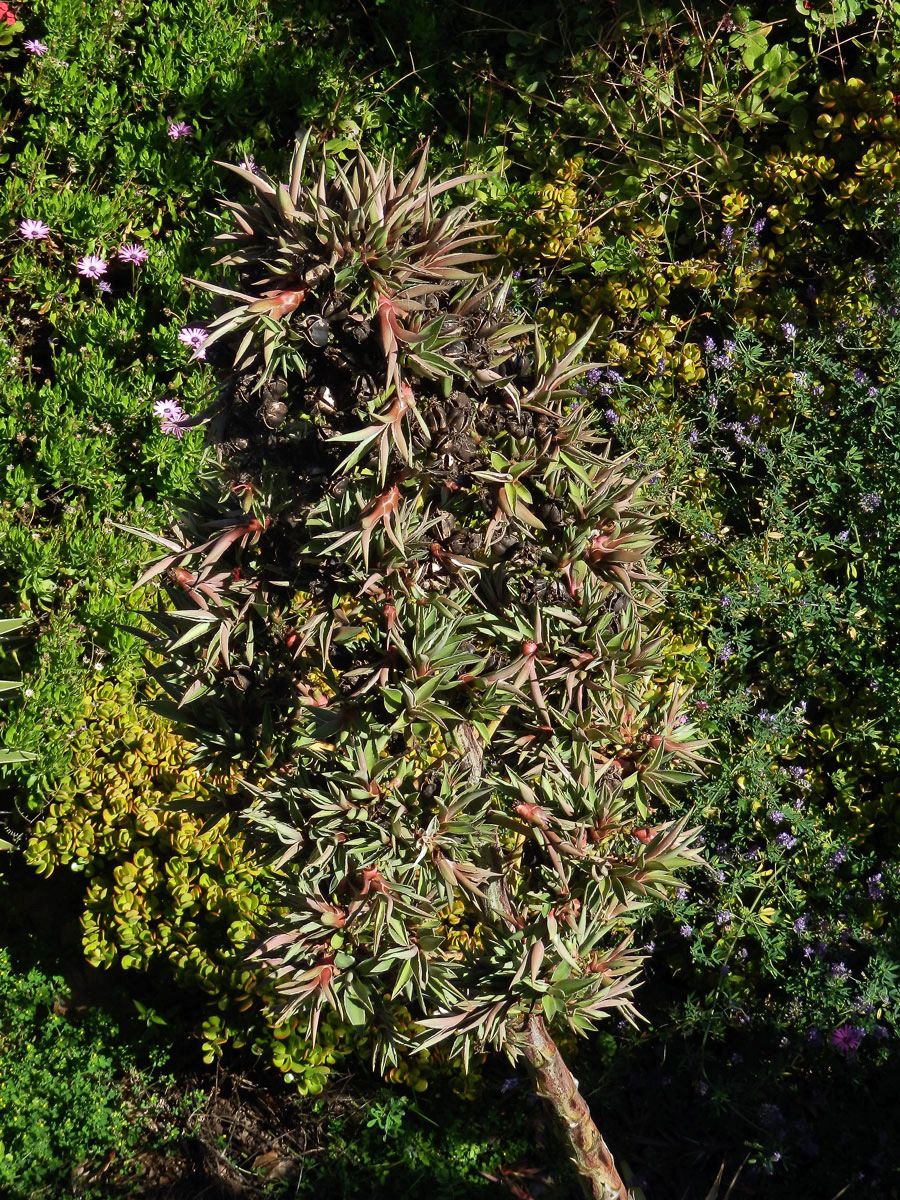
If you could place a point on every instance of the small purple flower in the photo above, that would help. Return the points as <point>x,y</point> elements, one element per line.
<point>179,129</point>
<point>709,346</point>
<point>839,856</point>
<point>759,225</point>
<point>726,652</point>
<point>770,1116</point>
<point>34,231</point>
<point>33,46</point>
<point>168,410</point>
<point>776,816</point>
<point>612,416</point>
<point>723,918</point>
<point>172,419</point>
<point>91,267</point>
<point>727,239</point>
<point>660,367</point>
<point>105,286</point>
<point>787,840</point>
<point>789,330</point>
<point>693,437</point>
<point>881,1032</point>
<point>194,336</point>
<point>869,502</point>
<point>847,1038</point>
<point>686,931</point>
<point>249,164</point>
<point>724,602</point>
<point>859,376</point>
<point>132,253</point>
<point>875,887</point>
<point>843,535</point>
<point>593,376</point>
<point>813,1036</point>
<point>872,393</point>
<point>801,923</point>
<point>720,875</point>
<point>839,970</point>
<point>681,893</point>
<point>614,376</point>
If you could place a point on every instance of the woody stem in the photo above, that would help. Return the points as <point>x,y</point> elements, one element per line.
<point>558,1086</point>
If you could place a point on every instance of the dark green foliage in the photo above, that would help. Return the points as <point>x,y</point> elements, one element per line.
<point>60,1099</point>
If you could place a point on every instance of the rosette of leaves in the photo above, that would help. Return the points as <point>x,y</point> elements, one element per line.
<point>440,651</point>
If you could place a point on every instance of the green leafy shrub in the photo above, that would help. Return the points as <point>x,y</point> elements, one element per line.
<point>60,1098</point>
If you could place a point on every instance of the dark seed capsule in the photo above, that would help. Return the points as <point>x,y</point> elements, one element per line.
<point>274,389</point>
<point>464,448</point>
<point>317,333</point>
<point>522,365</point>
<point>458,420</point>
<point>274,413</point>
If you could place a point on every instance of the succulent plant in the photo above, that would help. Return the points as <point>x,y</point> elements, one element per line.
<point>10,625</point>
<point>440,652</point>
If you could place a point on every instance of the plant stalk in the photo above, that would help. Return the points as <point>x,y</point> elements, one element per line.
<point>558,1086</point>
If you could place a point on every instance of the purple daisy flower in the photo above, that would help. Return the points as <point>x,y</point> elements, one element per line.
<point>91,267</point>
<point>193,336</point>
<point>132,253</point>
<point>168,410</point>
<point>846,1038</point>
<point>34,231</point>
<point>179,129</point>
<point>33,46</point>
<point>172,418</point>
